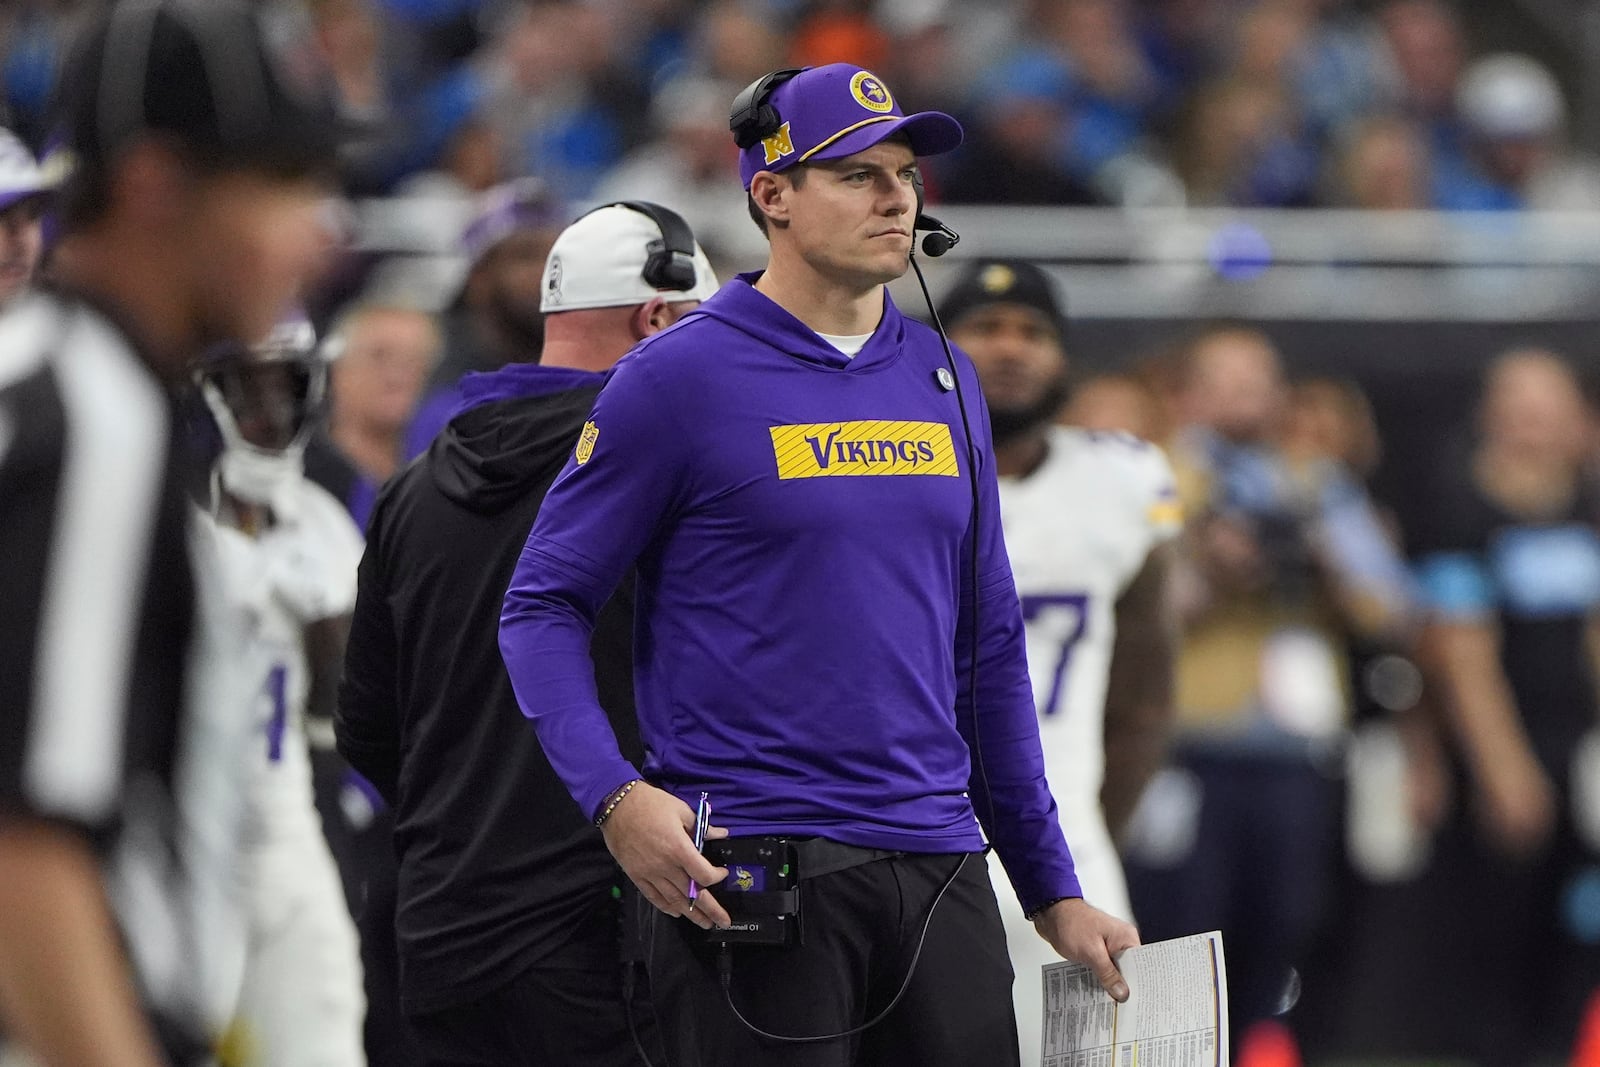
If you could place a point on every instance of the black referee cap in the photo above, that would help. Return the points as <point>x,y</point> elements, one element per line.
<point>1003,281</point>
<point>199,72</point>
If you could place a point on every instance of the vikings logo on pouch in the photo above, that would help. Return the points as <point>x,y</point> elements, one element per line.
<point>871,93</point>
<point>586,441</point>
<point>863,447</point>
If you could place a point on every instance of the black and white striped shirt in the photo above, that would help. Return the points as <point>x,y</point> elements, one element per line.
<point>102,722</point>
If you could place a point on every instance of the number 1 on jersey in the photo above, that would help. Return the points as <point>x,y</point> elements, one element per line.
<point>1066,615</point>
<point>277,692</point>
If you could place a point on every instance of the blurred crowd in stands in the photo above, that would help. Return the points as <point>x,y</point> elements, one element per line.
<point>1271,103</point>
<point>1450,658</point>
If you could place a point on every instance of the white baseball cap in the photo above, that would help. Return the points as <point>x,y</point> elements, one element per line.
<point>20,175</point>
<point>602,260</point>
<point>1510,95</point>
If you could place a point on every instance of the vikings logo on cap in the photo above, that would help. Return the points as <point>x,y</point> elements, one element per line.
<point>818,115</point>
<point>871,93</point>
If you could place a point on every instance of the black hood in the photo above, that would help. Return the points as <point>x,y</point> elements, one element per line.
<point>486,457</point>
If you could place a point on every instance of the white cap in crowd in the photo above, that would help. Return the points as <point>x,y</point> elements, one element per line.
<point>1509,96</point>
<point>20,174</point>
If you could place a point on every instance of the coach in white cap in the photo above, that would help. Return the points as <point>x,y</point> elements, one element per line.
<point>507,923</point>
<point>24,189</point>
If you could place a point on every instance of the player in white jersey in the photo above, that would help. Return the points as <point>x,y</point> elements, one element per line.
<point>1085,516</point>
<point>289,553</point>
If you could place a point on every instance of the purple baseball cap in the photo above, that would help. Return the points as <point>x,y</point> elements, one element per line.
<point>836,111</point>
<point>519,204</point>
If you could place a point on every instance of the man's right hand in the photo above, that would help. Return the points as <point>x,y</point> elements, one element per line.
<point>651,835</point>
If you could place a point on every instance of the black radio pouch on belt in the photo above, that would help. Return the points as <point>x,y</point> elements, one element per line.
<point>761,893</point>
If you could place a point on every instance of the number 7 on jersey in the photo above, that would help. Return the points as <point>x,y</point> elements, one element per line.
<point>1064,617</point>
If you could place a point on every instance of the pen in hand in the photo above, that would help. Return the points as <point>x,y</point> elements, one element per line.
<point>702,821</point>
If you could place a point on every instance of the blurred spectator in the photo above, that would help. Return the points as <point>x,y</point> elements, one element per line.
<point>31,45</point>
<point>348,36</point>
<point>692,165</point>
<point>839,31</point>
<point>1509,564</point>
<point>543,73</point>
<point>1117,403</point>
<point>1330,420</point>
<point>1180,40</point>
<point>1381,164</point>
<point>659,34</point>
<point>384,354</point>
<point>24,189</point>
<point>1326,57</point>
<point>1114,88</point>
<point>1342,70</point>
<point>1267,40</point>
<point>737,43</point>
<point>1428,51</point>
<point>1513,120</point>
<point>1396,779</point>
<point>1014,149</point>
<point>495,318</point>
<point>1281,562</point>
<point>925,66</point>
<point>1239,145</point>
<point>455,151</point>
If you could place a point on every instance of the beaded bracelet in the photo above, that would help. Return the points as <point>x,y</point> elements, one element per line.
<point>614,799</point>
<point>1042,908</point>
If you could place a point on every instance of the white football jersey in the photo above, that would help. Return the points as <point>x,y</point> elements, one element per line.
<point>300,1000</point>
<point>1078,530</point>
<point>299,571</point>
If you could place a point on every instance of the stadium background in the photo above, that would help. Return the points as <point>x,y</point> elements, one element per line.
<point>1373,184</point>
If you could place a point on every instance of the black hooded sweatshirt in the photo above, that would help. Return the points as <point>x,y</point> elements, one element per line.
<point>498,868</point>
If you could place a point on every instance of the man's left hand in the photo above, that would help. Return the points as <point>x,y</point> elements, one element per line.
<point>1085,934</point>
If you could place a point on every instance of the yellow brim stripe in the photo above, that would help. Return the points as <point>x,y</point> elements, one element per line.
<point>847,130</point>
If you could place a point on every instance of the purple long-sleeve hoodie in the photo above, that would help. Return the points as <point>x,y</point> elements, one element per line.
<point>801,525</point>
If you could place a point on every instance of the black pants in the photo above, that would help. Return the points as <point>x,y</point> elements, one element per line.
<point>548,1016</point>
<point>861,927</point>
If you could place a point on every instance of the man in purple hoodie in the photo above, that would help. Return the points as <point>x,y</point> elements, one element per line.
<point>788,467</point>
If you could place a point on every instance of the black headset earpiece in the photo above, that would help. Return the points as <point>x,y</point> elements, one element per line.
<point>669,263</point>
<point>752,118</point>
<point>943,238</point>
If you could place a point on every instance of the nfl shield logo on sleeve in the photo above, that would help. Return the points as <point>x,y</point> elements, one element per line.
<point>586,443</point>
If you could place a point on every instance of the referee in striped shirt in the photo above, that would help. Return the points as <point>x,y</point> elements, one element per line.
<point>192,216</point>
